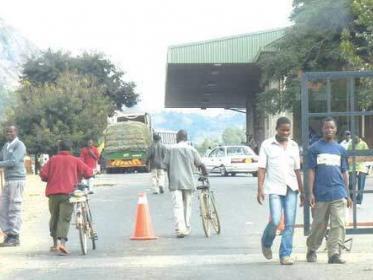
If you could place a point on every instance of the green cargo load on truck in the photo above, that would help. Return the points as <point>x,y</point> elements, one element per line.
<point>126,144</point>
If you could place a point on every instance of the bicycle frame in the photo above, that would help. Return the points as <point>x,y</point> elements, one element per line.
<point>208,210</point>
<point>83,219</point>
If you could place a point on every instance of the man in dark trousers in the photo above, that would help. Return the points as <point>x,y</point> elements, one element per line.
<point>62,173</point>
<point>156,154</point>
<point>12,160</point>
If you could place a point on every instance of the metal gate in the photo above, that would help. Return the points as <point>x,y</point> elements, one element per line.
<point>341,95</point>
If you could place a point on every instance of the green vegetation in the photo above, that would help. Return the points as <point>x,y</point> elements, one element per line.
<point>74,108</point>
<point>66,97</point>
<point>230,136</point>
<point>233,136</point>
<point>327,35</point>
<point>48,67</point>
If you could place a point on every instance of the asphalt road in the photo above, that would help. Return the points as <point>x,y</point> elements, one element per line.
<point>234,254</point>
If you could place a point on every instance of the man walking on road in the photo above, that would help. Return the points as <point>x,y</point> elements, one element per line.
<point>279,177</point>
<point>328,183</point>
<point>181,160</point>
<point>156,154</point>
<point>12,160</point>
<point>90,156</point>
<point>361,171</point>
<point>62,173</point>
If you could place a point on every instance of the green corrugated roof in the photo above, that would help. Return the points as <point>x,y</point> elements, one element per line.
<point>236,49</point>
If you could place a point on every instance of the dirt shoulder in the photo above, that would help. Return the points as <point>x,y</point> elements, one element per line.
<point>35,224</point>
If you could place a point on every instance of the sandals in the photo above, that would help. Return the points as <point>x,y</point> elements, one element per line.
<point>53,249</point>
<point>61,251</point>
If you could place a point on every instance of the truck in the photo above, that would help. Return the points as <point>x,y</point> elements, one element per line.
<point>126,141</point>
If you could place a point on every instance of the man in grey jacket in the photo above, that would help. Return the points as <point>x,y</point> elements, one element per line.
<point>181,161</point>
<point>11,159</point>
<point>156,154</point>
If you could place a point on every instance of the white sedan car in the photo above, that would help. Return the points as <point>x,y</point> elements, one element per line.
<point>231,160</point>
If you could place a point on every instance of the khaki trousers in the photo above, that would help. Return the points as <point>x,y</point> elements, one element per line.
<point>335,211</point>
<point>61,211</point>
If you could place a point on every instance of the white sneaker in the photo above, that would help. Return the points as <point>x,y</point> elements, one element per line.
<point>180,234</point>
<point>288,260</point>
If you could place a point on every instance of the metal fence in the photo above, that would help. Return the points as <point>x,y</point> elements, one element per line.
<point>324,105</point>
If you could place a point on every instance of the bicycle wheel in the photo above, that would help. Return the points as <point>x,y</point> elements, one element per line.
<point>82,231</point>
<point>214,218</point>
<point>204,208</point>
<point>92,232</point>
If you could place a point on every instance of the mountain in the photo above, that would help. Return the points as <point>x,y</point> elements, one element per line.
<point>198,125</point>
<point>14,49</point>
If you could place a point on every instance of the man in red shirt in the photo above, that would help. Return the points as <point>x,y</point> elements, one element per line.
<point>62,173</point>
<point>90,156</point>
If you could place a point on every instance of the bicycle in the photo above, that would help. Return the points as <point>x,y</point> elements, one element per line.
<point>208,211</point>
<point>83,217</point>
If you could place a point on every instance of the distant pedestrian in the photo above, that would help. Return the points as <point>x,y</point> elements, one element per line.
<point>62,174</point>
<point>208,151</point>
<point>90,156</point>
<point>12,160</point>
<point>346,139</point>
<point>181,160</point>
<point>361,171</point>
<point>328,183</point>
<point>279,177</point>
<point>155,157</point>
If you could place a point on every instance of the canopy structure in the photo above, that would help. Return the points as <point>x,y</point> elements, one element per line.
<point>220,73</point>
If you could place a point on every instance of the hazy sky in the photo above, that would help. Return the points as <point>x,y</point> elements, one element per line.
<point>135,34</point>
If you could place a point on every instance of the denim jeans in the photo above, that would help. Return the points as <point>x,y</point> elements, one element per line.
<point>278,204</point>
<point>360,178</point>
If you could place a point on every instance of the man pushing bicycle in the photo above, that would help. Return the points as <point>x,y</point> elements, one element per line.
<point>62,173</point>
<point>181,160</point>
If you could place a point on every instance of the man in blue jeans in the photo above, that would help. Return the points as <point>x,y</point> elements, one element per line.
<point>279,178</point>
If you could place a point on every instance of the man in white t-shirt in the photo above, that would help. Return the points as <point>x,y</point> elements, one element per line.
<point>346,139</point>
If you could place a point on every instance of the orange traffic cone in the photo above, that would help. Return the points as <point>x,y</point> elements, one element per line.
<point>143,226</point>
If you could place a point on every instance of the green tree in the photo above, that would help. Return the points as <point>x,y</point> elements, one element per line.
<point>49,66</point>
<point>206,144</point>
<point>73,108</point>
<point>357,40</point>
<point>357,48</point>
<point>315,43</point>
<point>6,101</point>
<point>233,136</point>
